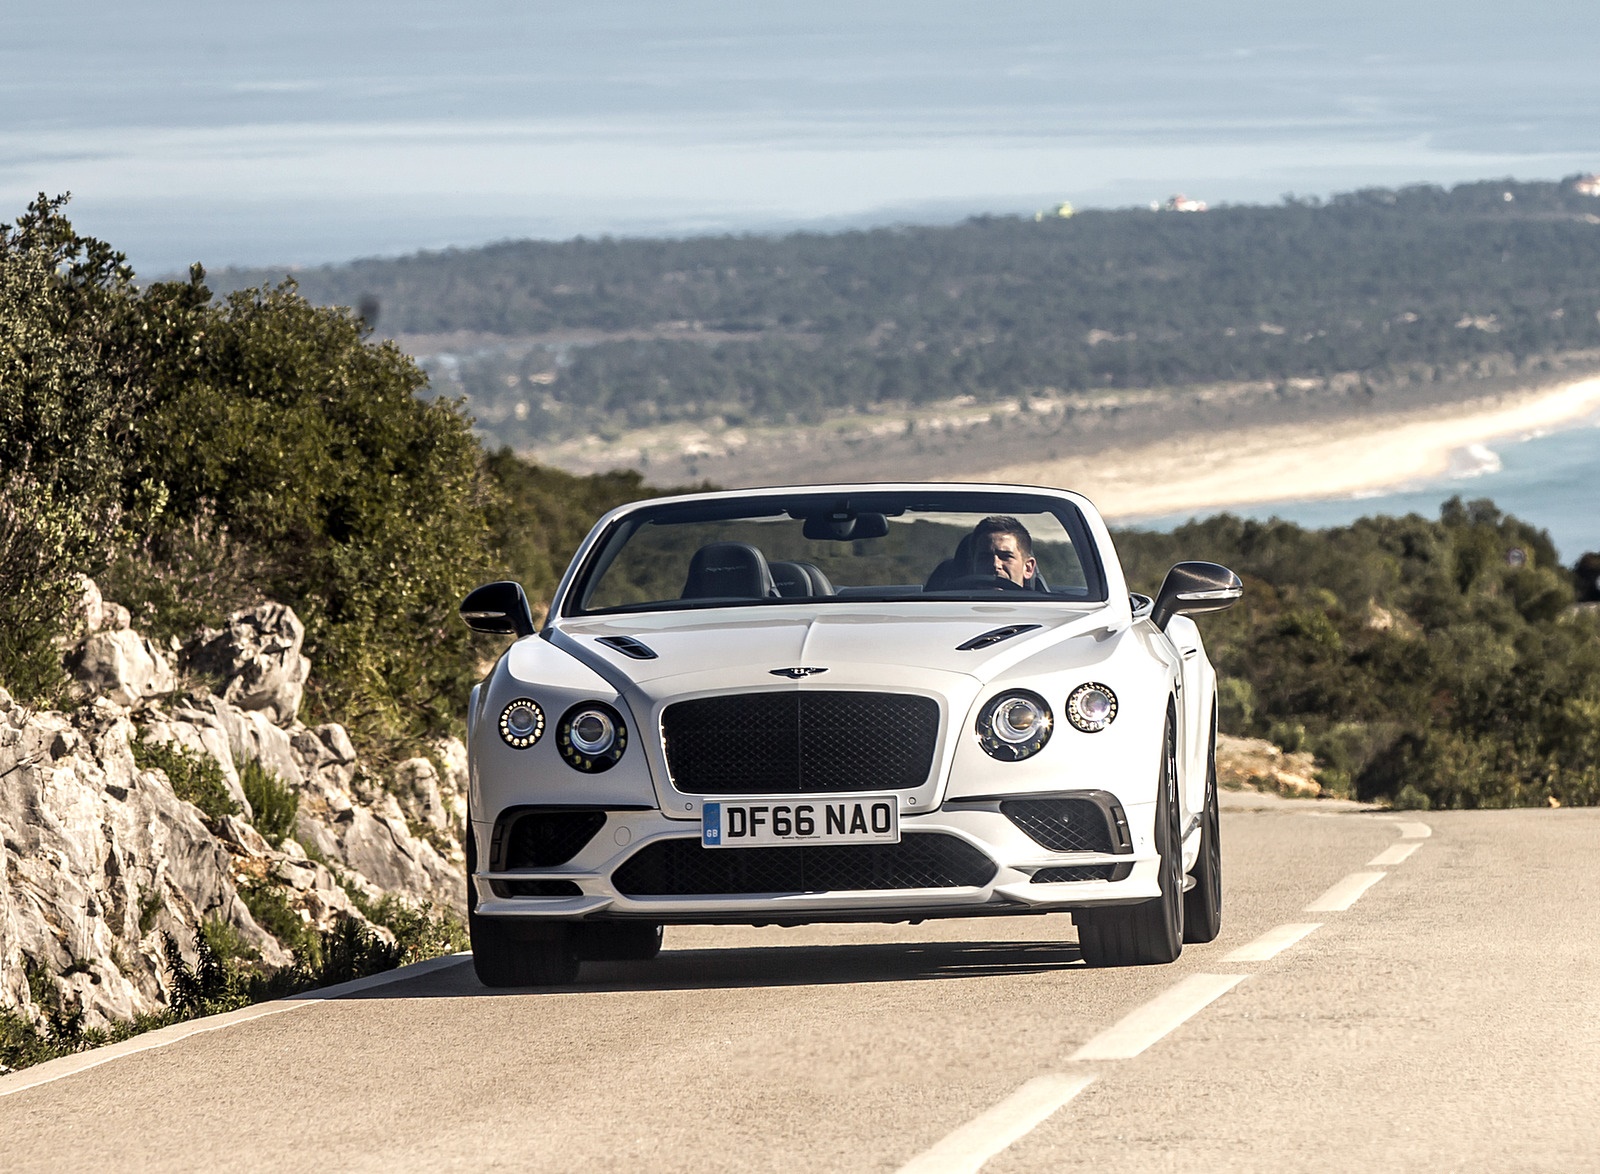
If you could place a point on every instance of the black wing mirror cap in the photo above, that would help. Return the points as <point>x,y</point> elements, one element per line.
<point>1191,588</point>
<point>501,609</point>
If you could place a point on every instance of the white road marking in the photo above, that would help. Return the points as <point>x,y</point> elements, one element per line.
<point>1395,855</point>
<point>1415,831</point>
<point>1273,942</point>
<point>1346,893</point>
<point>53,1070</point>
<point>966,1149</point>
<point>1143,1026</point>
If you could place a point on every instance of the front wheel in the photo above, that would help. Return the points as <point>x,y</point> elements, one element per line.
<point>1150,933</point>
<point>1202,905</point>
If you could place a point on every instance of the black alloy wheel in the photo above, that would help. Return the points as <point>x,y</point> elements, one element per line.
<point>1151,933</point>
<point>1202,905</point>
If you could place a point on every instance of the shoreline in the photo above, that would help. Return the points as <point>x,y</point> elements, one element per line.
<point>1341,458</point>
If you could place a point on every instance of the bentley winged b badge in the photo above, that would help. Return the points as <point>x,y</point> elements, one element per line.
<point>795,674</point>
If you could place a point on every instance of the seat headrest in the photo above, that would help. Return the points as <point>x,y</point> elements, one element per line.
<point>729,570</point>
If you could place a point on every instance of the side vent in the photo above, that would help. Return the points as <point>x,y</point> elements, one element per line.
<point>628,646</point>
<point>994,636</point>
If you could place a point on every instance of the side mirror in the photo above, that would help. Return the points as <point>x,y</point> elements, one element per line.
<point>501,609</point>
<point>1190,588</point>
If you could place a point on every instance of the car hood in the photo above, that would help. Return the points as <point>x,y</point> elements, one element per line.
<point>865,644</point>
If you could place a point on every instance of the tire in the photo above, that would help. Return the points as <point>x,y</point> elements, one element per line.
<point>1202,905</point>
<point>509,952</point>
<point>1150,933</point>
<point>617,941</point>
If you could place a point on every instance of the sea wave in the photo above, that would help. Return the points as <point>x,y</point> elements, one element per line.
<point>1475,460</point>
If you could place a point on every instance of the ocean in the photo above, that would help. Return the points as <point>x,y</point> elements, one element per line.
<point>302,132</point>
<point>1551,481</point>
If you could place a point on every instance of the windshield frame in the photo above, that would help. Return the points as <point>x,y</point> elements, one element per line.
<point>601,550</point>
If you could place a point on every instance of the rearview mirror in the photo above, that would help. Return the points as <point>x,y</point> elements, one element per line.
<point>1191,588</point>
<point>845,526</point>
<point>500,609</point>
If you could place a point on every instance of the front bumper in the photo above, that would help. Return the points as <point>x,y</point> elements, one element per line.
<point>1017,875</point>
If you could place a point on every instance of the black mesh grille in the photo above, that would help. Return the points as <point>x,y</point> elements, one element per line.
<point>1081,872</point>
<point>541,888</point>
<point>684,868</point>
<point>544,839</point>
<point>1062,825</point>
<point>795,742</point>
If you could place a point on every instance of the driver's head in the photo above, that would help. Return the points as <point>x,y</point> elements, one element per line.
<point>1002,546</point>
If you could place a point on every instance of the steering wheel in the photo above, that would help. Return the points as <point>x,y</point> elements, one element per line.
<point>979,582</point>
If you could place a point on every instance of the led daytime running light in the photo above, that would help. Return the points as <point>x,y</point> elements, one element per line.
<point>522,723</point>
<point>1091,707</point>
<point>592,737</point>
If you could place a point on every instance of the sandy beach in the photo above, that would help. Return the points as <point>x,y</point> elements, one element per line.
<point>1339,458</point>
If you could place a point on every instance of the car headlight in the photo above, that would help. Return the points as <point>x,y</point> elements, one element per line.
<point>1015,725</point>
<point>1091,707</point>
<point>592,737</point>
<point>522,723</point>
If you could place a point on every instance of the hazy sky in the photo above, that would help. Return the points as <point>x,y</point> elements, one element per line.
<point>299,132</point>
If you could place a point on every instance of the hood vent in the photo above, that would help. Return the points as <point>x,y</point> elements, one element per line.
<point>994,636</point>
<point>628,646</point>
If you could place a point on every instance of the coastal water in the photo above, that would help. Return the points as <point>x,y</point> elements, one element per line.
<point>1552,481</point>
<point>308,132</point>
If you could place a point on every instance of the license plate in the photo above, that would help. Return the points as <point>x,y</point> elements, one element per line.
<point>760,823</point>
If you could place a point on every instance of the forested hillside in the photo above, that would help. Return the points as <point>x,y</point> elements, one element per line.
<point>567,338</point>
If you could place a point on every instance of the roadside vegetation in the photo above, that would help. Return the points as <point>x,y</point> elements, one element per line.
<point>1426,663</point>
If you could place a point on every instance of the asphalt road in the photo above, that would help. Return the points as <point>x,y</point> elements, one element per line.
<point>1447,1019</point>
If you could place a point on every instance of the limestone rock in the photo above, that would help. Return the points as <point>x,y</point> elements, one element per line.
<point>99,858</point>
<point>257,661</point>
<point>122,665</point>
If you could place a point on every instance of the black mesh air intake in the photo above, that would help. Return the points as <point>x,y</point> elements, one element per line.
<point>798,742</point>
<point>1083,872</point>
<point>684,868</point>
<point>544,839</point>
<point>1062,825</point>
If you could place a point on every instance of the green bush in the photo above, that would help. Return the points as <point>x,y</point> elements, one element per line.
<point>1422,662</point>
<point>195,777</point>
<point>273,803</point>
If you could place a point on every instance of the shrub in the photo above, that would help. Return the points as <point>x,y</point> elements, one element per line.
<point>273,803</point>
<point>196,778</point>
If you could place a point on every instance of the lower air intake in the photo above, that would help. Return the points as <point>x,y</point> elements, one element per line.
<point>682,868</point>
<point>1062,825</point>
<point>1083,872</point>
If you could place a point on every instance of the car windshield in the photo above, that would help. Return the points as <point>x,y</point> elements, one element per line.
<point>829,548</point>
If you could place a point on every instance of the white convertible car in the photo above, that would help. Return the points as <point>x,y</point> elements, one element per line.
<point>843,703</point>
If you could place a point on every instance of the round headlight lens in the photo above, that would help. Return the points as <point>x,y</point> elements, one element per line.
<point>1015,726</point>
<point>1091,707</point>
<point>592,737</point>
<point>522,723</point>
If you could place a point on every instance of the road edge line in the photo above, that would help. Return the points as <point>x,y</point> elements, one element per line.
<point>65,1066</point>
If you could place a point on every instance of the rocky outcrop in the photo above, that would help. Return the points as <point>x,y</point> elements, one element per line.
<point>1257,764</point>
<point>100,857</point>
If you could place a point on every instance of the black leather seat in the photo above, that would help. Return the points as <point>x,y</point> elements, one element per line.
<point>797,580</point>
<point>729,570</point>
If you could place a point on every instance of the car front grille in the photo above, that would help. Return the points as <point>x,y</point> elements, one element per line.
<point>1062,825</point>
<point>682,867</point>
<point>801,741</point>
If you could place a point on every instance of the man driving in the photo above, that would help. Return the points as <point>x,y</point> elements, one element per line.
<point>1002,546</point>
